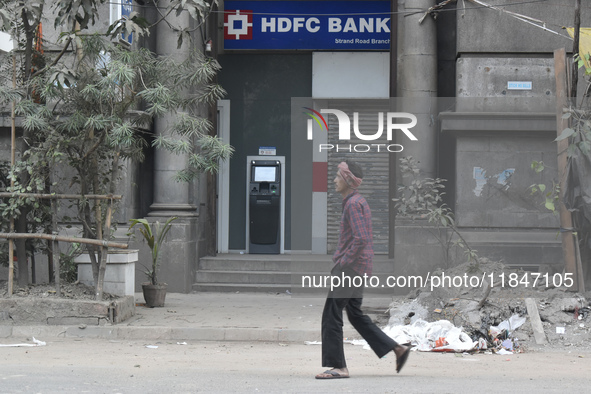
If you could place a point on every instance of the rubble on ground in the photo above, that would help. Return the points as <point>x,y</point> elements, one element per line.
<point>76,290</point>
<point>480,311</point>
<point>76,305</point>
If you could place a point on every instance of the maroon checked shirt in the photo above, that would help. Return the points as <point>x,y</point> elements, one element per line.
<point>355,248</point>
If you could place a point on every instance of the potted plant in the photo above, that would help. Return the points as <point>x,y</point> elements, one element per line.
<point>154,234</point>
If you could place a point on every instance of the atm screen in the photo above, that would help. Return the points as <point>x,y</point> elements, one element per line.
<point>264,174</point>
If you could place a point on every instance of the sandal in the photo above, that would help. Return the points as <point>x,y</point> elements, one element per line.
<point>331,374</point>
<point>400,361</point>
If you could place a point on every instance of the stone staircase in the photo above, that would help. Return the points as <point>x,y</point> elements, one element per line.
<point>271,273</point>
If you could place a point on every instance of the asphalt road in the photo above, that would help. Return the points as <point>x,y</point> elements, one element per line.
<point>102,366</point>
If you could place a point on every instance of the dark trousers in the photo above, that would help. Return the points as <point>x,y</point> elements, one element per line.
<point>350,299</point>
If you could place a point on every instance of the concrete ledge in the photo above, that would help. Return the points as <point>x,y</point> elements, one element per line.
<point>58,311</point>
<point>39,332</point>
<point>247,334</point>
<point>103,332</point>
<point>124,308</point>
<point>300,335</point>
<point>148,333</point>
<point>199,334</point>
<point>165,333</point>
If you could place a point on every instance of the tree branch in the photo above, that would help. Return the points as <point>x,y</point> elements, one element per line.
<point>57,59</point>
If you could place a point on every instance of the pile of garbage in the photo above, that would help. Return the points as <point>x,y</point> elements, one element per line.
<point>443,336</point>
<point>491,320</point>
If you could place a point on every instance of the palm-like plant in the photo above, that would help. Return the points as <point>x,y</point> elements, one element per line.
<point>154,238</point>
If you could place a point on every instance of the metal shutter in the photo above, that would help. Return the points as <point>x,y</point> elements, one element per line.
<point>375,167</point>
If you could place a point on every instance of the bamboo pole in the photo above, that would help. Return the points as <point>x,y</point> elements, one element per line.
<point>573,99</point>
<point>62,196</point>
<point>64,239</point>
<point>53,238</point>
<point>55,251</point>
<point>566,221</point>
<point>576,49</point>
<point>12,162</point>
<point>104,251</point>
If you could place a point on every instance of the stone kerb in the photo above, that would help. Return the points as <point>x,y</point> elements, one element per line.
<point>19,311</point>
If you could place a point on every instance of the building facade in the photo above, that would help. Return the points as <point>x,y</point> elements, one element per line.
<point>482,83</point>
<point>479,82</point>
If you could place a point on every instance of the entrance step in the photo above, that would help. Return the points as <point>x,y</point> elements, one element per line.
<point>244,277</point>
<point>272,273</point>
<point>240,288</point>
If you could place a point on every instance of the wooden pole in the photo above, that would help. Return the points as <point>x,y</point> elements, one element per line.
<point>103,261</point>
<point>12,162</point>
<point>90,241</point>
<point>62,196</point>
<point>566,221</point>
<point>573,98</point>
<point>55,250</point>
<point>576,38</point>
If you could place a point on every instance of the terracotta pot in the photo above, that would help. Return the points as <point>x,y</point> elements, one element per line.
<point>154,295</point>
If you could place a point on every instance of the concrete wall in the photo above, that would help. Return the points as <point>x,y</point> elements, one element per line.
<point>482,30</point>
<point>493,47</point>
<point>493,178</point>
<point>494,207</point>
<point>497,132</point>
<point>482,83</point>
<point>418,250</point>
<point>488,143</point>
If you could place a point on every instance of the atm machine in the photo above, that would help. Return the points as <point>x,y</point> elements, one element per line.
<point>265,212</point>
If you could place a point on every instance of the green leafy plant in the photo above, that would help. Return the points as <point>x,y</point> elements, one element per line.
<point>154,234</point>
<point>422,198</point>
<point>99,115</point>
<point>579,134</point>
<point>68,268</point>
<point>550,195</point>
<point>582,62</point>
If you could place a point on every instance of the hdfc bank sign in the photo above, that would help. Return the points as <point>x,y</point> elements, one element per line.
<point>345,25</point>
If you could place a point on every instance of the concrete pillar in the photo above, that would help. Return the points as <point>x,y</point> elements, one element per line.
<point>417,79</point>
<point>179,254</point>
<point>171,198</point>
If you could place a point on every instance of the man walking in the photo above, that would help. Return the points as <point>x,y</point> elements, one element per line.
<point>353,258</point>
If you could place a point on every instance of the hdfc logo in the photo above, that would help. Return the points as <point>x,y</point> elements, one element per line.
<point>238,25</point>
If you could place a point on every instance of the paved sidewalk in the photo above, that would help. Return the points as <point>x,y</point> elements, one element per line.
<point>213,316</point>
